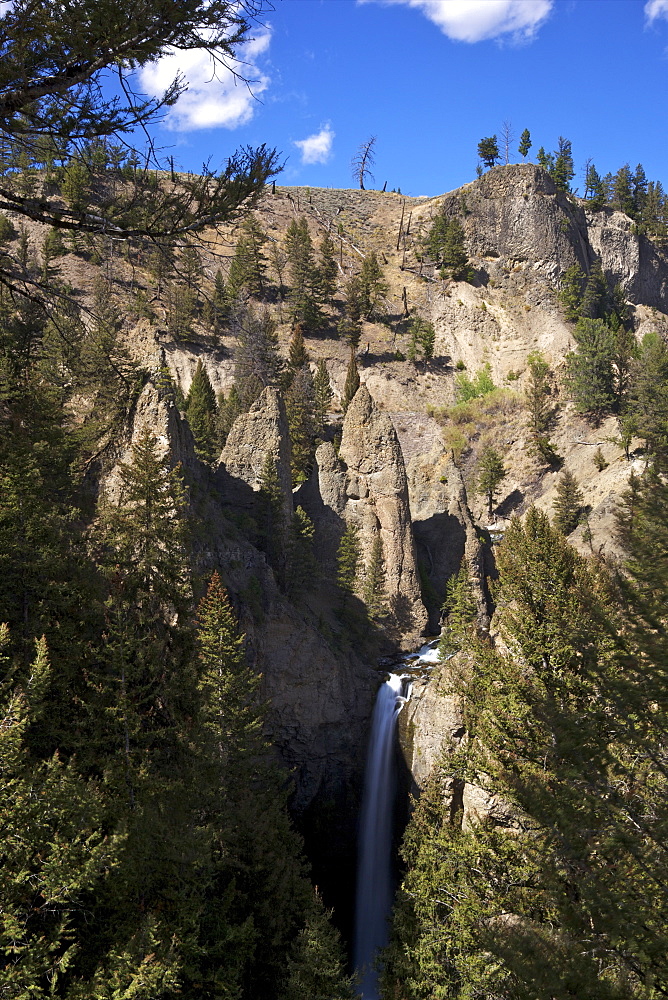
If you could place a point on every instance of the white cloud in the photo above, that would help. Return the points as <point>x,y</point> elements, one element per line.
<point>317,148</point>
<point>478,20</point>
<point>656,8</point>
<point>215,96</point>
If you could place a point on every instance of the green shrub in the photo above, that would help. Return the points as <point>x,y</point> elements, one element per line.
<point>474,388</point>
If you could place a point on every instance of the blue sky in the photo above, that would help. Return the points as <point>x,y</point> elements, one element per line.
<point>429,79</point>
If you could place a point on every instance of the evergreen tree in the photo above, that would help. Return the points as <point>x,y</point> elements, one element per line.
<point>373,590</point>
<point>303,296</point>
<point>248,265</point>
<point>538,392</point>
<point>647,404</point>
<point>539,911</point>
<point>56,851</point>
<point>75,184</point>
<point>297,353</point>
<point>545,160</point>
<point>271,514</point>
<point>622,191</point>
<point>230,713</point>
<point>371,284</point>
<point>423,338</point>
<point>216,307</point>
<point>525,143</point>
<point>303,568</point>
<point>348,559</point>
<point>201,411</point>
<point>459,611</point>
<point>327,270</point>
<point>590,371</point>
<point>446,243</point>
<point>350,324</point>
<point>352,382</point>
<point>568,503</point>
<point>315,964</point>
<point>490,474</point>
<point>229,408</point>
<point>323,396</point>
<point>488,150</point>
<point>570,293</point>
<point>595,189</point>
<point>596,296</point>
<point>257,363</point>
<point>639,185</point>
<point>300,406</point>
<point>563,170</point>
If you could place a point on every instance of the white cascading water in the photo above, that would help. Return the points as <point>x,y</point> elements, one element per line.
<point>374,876</point>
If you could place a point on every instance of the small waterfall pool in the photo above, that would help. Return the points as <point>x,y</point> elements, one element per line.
<point>374,879</point>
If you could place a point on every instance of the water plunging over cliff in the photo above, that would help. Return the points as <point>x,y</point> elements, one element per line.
<point>374,879</point>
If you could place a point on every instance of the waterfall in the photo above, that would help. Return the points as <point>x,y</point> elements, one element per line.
<point>374,877</point>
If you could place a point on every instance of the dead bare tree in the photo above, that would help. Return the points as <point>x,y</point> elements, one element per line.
<point>362,162</point>
<point>507,138</point>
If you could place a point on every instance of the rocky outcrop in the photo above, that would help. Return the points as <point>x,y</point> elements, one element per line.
<point>517,213</point>
<point>377,500</point>
<point>154,410</point>
<point>629,259</point>
<point>445,532</point>
<point>254,435</point>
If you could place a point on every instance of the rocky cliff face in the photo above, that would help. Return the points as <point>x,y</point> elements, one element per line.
<point>366,485</point>
<point>377,500</point>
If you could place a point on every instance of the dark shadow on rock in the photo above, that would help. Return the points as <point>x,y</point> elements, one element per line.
<point>440,541</point>
<point>511,503</point>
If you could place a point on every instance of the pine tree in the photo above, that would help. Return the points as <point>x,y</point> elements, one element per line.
<point>248,266</point>
<point>596,297</point>
<point>271,514</point>
<point>323,395</point>
<point>350,324</point>
<point>201,411</point>
<point>589,370</point>
<point>373,590</point>
<point>647,403</point>
<point>371,284</point>
<point>563,170</point>
<point>315,963</point>
<point>303,568</point>
<point>538,392</point>
<point>423,338</point>
<point>300,406</point>
<point>348,560</point>
<point>303,295</point>
<point>530,911</point>
<point>525,143</point>
<point>570,292</point>
<point>229,408</point>
<point>568,503</point>
<point>228,687</point>
<point>327,270</point>
<point>460,612</point>
<point>545,160</point>
<point>352,382</point>
<point>622,191</point>
<point>56,850</point>
<point>488,150</point>
<point>446,243</point>
<point>257,363</point>
<point>490,473</point>
<point>595,189</point>
<point>297,353</point>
